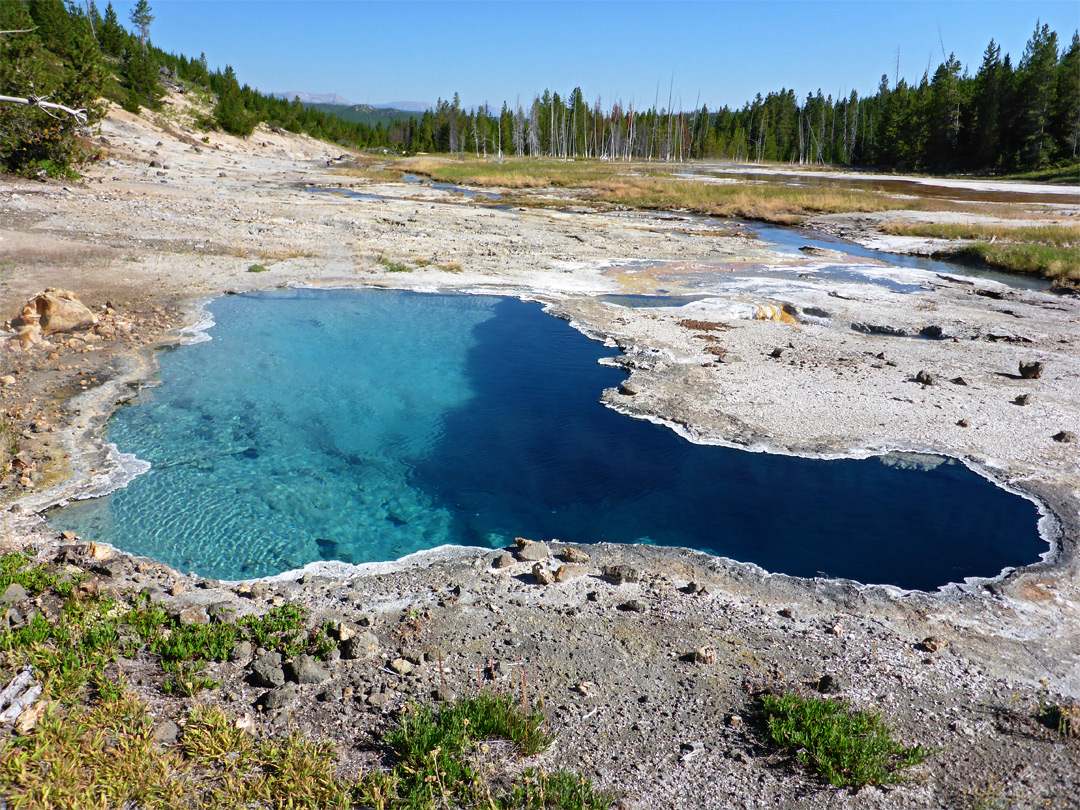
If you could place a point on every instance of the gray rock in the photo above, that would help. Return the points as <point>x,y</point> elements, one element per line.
<point>962,423</point>
<point>1022,399</point>
<point>164,733</point>
<point>359,646</point>
<point>926,378</point>
<point>1065,437</point>
<point>222,613</point>
<point>14,593</point>
<point>504,560</point>
<point>932,332</point>
<point>401,666</point>
<point>378,699</point>
<point>628,389</point>
<point>241,651</point>
<point>528,551</point>
<point>280,697</point>
<point>542,574</point>
<point>191,614</point>
<point>634,606</point>
<point>267,671</point>
<point>958,381</point>
<point>618,574</point>
<point>305,669</point>
<point>878,329</point>
<point>1031,371</point>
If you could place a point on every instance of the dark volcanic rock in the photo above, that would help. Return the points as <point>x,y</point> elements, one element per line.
<point>1031,371</point>
<point>267,671</point>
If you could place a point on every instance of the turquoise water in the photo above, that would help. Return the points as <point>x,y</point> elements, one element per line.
<point>365,425</point>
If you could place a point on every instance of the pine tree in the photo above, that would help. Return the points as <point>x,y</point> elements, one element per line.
<point>1065,118</point>
<point>111,35</point>
<point>1036,84</point>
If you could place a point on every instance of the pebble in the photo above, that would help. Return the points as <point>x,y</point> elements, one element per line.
<point>704,655</point>
<point>401,666</point>
<point>543,574</point>
<point>165,733</point>
<point>504,560</point>
<point>634,606</point>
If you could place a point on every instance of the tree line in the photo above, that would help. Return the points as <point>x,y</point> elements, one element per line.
<point>1001,118</point>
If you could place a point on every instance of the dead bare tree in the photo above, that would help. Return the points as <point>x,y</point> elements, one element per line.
<point>43,104</point>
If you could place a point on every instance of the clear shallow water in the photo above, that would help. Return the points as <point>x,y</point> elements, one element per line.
<point>364,425</point>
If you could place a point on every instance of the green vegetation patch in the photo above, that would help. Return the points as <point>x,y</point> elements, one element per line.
<point>257,268</point>
<point>1051,251</point>
<point>849,748</point>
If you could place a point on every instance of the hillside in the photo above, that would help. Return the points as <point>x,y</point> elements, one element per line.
<point>366,114</point>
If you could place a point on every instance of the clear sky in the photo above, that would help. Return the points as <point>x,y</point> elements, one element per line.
<point>720,52</point>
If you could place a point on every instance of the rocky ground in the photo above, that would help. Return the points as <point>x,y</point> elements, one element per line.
<point>813,365</point>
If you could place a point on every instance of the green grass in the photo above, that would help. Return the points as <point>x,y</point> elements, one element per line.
<point>848,748</point>
<point>1066,174</point>
<point>1051,251</point>
<point>394,267</point>
<point>562,789</point>
<point>257,268</point>
<point>1059,264</point>
<point>93,748</point>
<point>15,568</point>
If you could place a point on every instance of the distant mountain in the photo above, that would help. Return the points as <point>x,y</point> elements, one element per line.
<point>315,98</point>
<point>408,106</point>
<point>340,101</point>
<point>366,113</point>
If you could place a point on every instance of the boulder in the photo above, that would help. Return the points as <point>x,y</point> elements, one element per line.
<point>57,311</point>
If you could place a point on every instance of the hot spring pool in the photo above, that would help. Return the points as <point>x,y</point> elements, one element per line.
<point>365,425</point>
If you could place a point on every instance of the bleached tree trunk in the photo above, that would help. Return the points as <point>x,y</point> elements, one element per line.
<point>34,101</point>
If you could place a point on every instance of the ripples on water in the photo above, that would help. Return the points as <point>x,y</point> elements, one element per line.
<point>365,425</point>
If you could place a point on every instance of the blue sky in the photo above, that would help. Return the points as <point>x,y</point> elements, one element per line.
<point>720,52</point>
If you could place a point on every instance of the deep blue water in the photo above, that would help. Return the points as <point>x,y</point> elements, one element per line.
<point>364,425</point>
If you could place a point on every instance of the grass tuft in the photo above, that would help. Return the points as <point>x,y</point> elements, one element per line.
<point>848,748</point>
<point>562,789</point>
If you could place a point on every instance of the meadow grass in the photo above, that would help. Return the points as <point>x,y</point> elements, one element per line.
<point>652,187</point>
<point>1051,251</point>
